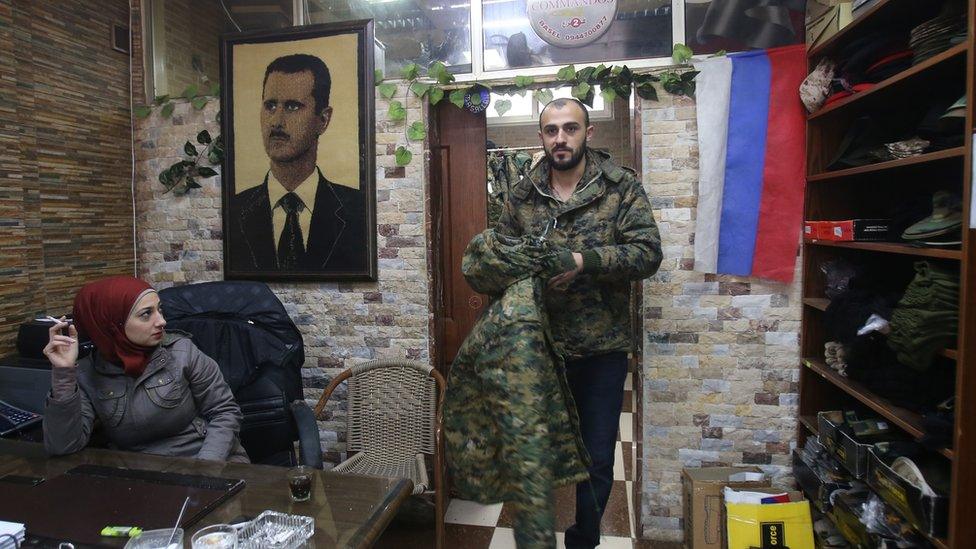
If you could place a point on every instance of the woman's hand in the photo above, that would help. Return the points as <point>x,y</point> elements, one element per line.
<point>62,350</point>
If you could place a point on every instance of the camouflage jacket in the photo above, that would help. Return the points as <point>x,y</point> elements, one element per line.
<point>510,422</point>
<point>609,221</point>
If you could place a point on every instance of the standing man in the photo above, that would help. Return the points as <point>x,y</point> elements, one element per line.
<point>296,219</point>
<point>581,201</point>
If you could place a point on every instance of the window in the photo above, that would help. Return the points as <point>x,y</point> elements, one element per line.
<point>525,109</point>
<point>713,25</point>
<point>408,31</point>
<point>536,33</point>
<point>182,37</point>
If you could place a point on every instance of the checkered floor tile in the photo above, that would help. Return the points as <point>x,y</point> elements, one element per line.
<point>470,525</point>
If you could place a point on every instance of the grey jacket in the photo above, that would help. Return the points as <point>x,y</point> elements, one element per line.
<point>180,406</point>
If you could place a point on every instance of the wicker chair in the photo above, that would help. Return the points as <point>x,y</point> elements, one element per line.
<point>393,418</point>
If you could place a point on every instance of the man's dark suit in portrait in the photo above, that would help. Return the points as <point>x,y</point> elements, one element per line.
<point>296,219</point>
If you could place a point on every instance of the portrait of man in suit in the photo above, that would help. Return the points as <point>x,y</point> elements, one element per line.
<point>290,220</point>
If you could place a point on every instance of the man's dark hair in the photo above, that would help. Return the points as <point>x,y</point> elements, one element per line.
<point>562,102</point>
<point>321,79</point>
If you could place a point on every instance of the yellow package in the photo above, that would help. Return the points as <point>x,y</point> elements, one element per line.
<point>770,526</point>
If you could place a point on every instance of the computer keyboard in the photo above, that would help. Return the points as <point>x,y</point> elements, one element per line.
<point>13,419</point>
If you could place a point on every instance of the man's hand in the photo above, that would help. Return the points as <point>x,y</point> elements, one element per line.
<point>561,281</point>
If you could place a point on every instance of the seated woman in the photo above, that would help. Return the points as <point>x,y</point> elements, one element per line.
<point>151,391</point>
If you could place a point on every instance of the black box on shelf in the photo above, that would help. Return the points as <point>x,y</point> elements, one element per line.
<point>846,516</point>
<point>816,488</point>
<point>929,514</point>
<point>828,426</point>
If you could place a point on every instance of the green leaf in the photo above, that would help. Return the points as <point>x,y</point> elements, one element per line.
<point>625,76</point>
<point>457,98</point>
<point>719,53</point>
<point>403,156</point>
<point>204,137</point>
<point>435,95</point>
<point>608,93</point>
<point>566,73</point>
<point>397,112</point>
<point>191,183</point>
<point>524,81</point>
<point>543,96</point>
<point>216,155</point>
<point>601,71</point>
<point>166,177</point>
<point>689,76</point>
<point>419,88</point>
<point>190,92</point>
<point>585,74</point>
<point>581,90</point>
<point>167,110</point>
<point>387,89</point>
<point>160,99</point>
<point>647,91</point>
<point>218,119</point>
<point>199,102</point>
<point>142,111</point>
<point>214,89</point>
<point>411,71</point>
<point>204,171</point>
<point>190,149</point>
<point>502,106</point>
<point>377,75</point>
<point>416,131</point>
<point>681,54</point>
<point>439,72</point>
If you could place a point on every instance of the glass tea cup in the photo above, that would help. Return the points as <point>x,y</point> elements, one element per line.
<point>217,536</point>
<point>300,483</point>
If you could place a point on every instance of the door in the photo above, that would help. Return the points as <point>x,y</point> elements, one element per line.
<point>460,211</point>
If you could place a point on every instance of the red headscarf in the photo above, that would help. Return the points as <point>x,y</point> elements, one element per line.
<point>101,309</point>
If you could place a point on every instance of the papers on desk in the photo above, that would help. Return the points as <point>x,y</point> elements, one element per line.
<point>14,529</point>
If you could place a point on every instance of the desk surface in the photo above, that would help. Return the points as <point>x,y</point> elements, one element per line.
<point>349,511</point>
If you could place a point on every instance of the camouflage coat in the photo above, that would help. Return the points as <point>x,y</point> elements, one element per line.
<point>609,221</point>
<point>510,423</point>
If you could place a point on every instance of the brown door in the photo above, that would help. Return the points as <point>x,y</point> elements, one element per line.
<point>460,210</point>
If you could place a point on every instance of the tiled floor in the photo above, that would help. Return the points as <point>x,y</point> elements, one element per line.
<point>471,525</point>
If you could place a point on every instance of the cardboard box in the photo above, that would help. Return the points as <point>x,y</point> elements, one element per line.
<point>703,505</point>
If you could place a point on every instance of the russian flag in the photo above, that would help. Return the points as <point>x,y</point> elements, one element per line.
<point>752,162</point>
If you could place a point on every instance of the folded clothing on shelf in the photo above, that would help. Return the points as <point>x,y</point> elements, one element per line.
<point>926,319</point>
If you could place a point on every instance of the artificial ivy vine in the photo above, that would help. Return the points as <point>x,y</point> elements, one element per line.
<point>614,81</point>
<point>196,163</point>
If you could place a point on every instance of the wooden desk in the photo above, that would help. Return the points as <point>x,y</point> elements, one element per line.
<point>349,511</point>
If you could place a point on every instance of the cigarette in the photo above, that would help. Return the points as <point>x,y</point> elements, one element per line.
<point>58,321</point>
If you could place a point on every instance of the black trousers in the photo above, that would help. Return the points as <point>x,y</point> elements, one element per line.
<point>597,383</point>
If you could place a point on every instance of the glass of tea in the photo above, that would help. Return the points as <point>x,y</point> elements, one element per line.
<point>300,482</point>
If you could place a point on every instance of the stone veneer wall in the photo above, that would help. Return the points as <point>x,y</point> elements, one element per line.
<point>719,374</point>
<point>721,353</point>
<point>179,241</point>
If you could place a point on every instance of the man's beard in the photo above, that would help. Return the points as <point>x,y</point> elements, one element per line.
<point>570,163</point>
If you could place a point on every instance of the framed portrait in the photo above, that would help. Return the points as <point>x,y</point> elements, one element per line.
<point>299,200</point>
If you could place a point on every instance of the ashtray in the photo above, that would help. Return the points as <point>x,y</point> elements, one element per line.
<point>272,530</point>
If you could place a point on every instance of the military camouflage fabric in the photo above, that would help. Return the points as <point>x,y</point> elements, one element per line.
<point>510,423</point>
<point>609,221</point>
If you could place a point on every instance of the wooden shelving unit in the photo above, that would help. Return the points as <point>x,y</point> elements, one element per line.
<point>852,190</point>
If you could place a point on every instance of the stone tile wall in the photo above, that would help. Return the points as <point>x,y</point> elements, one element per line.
<point>721,353</point>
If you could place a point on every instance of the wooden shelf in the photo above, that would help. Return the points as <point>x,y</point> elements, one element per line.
<point>908,421</point>
<point>946,56</point>
<point>890,248</point>
<point>937,156</point>
<point>818,303</point>
<point>810,422</point>
<point>881,15</point>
